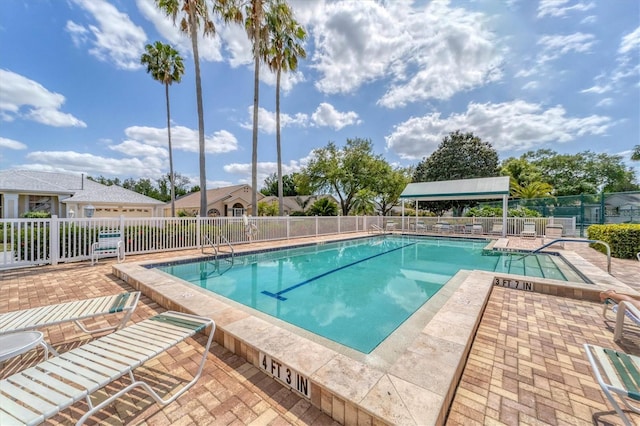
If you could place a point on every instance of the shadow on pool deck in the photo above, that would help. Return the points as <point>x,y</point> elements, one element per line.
<point>526,364</point>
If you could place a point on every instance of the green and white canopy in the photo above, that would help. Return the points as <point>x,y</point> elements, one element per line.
<point>461,189</point>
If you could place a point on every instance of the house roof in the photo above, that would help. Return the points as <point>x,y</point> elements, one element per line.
<point>78,188</point>
<point>192,200</point>
<point>461,189</point>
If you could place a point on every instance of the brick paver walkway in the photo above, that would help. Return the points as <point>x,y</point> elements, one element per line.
<point>230,391</point>
<point>526,364</point>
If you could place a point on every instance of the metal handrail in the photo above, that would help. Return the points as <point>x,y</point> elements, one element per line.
<point>215,249</point>
<point>573,240</point>
<point>377,228</point>
<point>222,237</point>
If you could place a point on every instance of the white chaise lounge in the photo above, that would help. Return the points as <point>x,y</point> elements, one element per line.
<point>40,392</point>
<point>76,311</point>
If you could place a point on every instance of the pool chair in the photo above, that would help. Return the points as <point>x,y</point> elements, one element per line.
<point>109,244</point>
<point>529,231</point>
<point>76,311</point>
<point>621,310</point>
<point>617,373</point>
<point>553,232</point>
<point>40,392</point>
<point>496,229</point>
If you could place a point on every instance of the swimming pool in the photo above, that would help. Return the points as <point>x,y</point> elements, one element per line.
<point>354,292</point>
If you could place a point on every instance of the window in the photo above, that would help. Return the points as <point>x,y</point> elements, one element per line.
<point>238,209</point>
<point>39,203</point>
<point>213,213</point>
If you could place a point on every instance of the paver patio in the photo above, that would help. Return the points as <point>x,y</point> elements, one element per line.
<point>526,365</point>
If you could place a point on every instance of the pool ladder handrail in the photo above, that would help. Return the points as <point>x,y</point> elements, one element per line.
<point>377,228</point>
<point>217,246</point>
<point>573,240</point>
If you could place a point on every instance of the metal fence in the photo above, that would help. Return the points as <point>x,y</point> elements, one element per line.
<point>587,209</point>
<point>25,242</point>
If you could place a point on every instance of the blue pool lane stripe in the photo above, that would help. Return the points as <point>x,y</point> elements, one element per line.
<point>278,294</point>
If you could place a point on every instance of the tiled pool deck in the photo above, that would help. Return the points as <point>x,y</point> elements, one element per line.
<point>525,365</point>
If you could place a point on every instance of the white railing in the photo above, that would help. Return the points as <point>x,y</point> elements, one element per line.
<point>25,242</point>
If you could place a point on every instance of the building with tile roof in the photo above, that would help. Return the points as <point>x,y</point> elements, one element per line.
<point>232,200</point>
<point>69,195</point>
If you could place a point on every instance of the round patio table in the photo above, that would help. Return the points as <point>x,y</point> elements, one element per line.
<point>15,344</point>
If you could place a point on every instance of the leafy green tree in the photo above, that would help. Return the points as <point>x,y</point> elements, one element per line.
<point>181,186</point>
<point>196,15</point>
<point>389,185</point>
<point>521,171</point>
<point>281,52</point>
<point>582,173</point>
<point>459,156</point>
<point>271,186</point>
<point>165,66</point>
<point>342,171</point>
<point>323,207</point>
<point>106,181</point>
<point>142,186</point>
<point>267,209</point>
<point>635,155</point>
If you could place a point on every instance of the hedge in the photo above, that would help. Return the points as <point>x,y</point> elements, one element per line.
<point>624,239</point>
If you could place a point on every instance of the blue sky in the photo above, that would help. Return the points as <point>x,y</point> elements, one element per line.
<point>521,74</point>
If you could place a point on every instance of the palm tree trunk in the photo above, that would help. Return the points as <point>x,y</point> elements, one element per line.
<point>196,59</point>
<point>278,146</point>
<point>171,175</point>
<point>257,20</point>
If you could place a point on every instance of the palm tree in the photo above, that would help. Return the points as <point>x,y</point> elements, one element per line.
<point>195,14</point>
<point>281,54</point>
<point>231,11</point>
<point>165,65</point>
<point>535,189</point>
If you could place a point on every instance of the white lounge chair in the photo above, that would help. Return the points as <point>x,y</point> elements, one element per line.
<point>76,311</point>
<point>496,229</point>
<point>617,373</point>
<point>529,231</point>
<point>40,392</point>
<point>109,244</point>
<point>553,232</point>
<point>622,310</point>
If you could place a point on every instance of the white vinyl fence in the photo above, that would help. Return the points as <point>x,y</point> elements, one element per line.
<point>25,242</point>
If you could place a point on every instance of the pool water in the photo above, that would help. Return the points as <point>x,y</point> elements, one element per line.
<point>354,292</point>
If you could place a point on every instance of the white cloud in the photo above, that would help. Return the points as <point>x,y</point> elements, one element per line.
<point>627,67</point>
<point>509,126</point>
<point>243,170</point>
<point>431,51</point>
<point>605,102</point>
<point>183,139</point>
<point>208,47</point>
<point>591,19</point>
<point>116,39</point>
<point>267,120</point>
<point>555,46</point>
<point>137,149</point>
<point>327,116</point>
<point>559,8</point>
<point>80,162</point>
<point>42,106</point>
<point>11,144</point>
<point>630,42</point>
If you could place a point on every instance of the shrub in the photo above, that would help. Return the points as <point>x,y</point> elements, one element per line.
<point>624,239</point>
<point>486,211</point>
<point>36,215</point>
